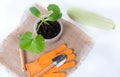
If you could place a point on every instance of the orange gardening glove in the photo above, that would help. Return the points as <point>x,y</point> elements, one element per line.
<point>46,59</point>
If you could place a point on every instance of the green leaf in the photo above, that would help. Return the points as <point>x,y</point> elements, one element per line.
<point>91,19</point>
<point>56,14</point>
<point>34,45</point>
<point>35,11</point>
<point>25,40</point>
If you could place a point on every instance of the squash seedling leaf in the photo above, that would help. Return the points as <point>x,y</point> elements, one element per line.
<point>35,11</point>
<point>34,45</point>
<point>56,14</point>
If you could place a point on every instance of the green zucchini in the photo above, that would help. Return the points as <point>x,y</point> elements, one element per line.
<point>88,18</point>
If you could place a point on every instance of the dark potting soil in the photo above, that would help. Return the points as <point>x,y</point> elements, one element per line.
<point>49,30</point>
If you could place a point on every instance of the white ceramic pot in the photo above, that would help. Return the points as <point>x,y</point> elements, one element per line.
<point>54,38</point>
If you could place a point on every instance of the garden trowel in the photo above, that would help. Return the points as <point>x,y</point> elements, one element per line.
<point>57,61</point>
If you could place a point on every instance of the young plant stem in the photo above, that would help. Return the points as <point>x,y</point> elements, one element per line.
<point>42,20</point>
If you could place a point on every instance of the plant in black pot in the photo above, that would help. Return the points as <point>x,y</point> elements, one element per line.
<point>48,25</point>
<point>48,28</point>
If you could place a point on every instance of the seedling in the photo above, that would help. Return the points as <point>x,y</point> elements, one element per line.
<point>53,14</point>
<point>37,44</point>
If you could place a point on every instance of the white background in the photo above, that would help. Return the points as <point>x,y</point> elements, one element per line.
<point>103,60</point>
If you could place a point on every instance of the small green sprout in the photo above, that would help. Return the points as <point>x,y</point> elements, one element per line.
<point>53,14</point>
<point>37,44</point>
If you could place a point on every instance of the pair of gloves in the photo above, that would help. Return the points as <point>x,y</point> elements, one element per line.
<point>46,59</point>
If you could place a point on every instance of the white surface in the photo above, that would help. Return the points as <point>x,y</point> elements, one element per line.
<point>104,58</point>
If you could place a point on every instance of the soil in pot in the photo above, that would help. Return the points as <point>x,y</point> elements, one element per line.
<point>49,29</point>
